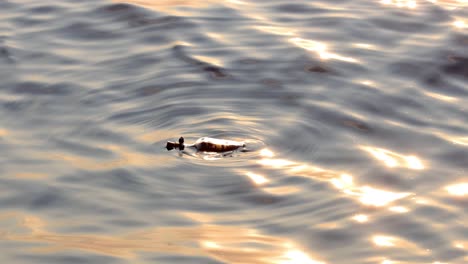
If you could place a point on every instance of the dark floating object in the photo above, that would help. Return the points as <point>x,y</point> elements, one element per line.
<point>318,69</point>
<point>457,65</point>
<point>206,144</point>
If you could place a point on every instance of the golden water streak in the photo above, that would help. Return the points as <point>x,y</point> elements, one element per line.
<point>231,244</point>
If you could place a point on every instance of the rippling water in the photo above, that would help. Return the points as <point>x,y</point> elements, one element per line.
<point>358,111</point>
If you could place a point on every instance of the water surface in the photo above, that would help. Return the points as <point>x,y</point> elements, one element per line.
<point>359,108</point>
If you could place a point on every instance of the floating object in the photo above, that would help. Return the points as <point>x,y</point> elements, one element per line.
<point>206,144</point>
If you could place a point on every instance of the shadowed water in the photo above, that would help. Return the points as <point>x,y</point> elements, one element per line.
<point>356,111</point>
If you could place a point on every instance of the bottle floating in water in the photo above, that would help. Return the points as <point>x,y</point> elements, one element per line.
<point>206,144</point>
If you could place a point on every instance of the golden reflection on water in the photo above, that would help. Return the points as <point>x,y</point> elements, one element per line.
<point>320,48</point>
<point>360,218</point>
<point>383,241</point>
<point>30,175</point>
<point>398,209</point>
<point>460,24</point>
<point>459,189</point>
<point>174,6</point>
<point>376,197</point>
<point>122,157</point>
<point>386,241</point>
<point>3,132</point>
<point>400,3</point>
<point>441,97</point>
<point>257,178</point>
<point>277,30</point>
<point>262,182</point>
<point>267,153</point>
<point>392,159</point>
<point>366,195</point>
<point>169,6</point>
<point>230,244</point>
<point>453,139</point>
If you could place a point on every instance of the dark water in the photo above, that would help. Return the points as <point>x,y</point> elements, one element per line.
<point>358,110</point>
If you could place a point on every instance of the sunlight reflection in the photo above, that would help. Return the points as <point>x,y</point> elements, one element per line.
<point>365,194</point>
<point>460,189</point>
<point>30,175</point>
<point>320,48</point>
<point>376,197</point>
<point>169,6</point>
<point>392,241</point>
<point>460,244</point>
<point>387,261</point>
<point>295,257</point>
<point>460,24</point>
<point>266,153</point>
<point>400,3</point>
<point>282,190</point>
<point>345,181</point>
<point>122,156</point>
<point>365,46</point>
<point>3,132</point>
<point>398,209</point>
<point>453,139</point>
<point>227,244</point>
<point>260,181</point>
<point>392,159</point>
<point>361,218</point>
<point>384,241</point>
<point>257,178</point>
<point>368,83</point>
<point>276,163</point>
<point>441,97</point>
<point>276,30</point>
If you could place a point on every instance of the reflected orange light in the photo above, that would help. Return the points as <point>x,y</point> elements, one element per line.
<point>257,178</point>
<point>170,6</point>
<point>365,46</point>
<point>210,244</point>
<point>227,244</point>
<point>460,245</point>
<point>398,209</point>
<point>345,181</point>
<point>3,132</point>
<point>414,163</point>
<point>392,159</point>
<point>266,153</point>
<point>276,163</point>
<point>361,218</point>
<point>400,3</point>
<point>391,241</point>
<point>367,83</point>
<point>295,256</point>
<point>441,97</point>
<point>276,30</point>
<point>122,156</point>
<point>454,139</point>
<point>376,197</point>
<point>384,241</point>
<point>320,48</point>
<point>30,175</point>
<point>460,141</point>
<point>366,195</point>
<point>211,60</point>
<point>198,217</point>
<point>282,190</point>
<point>460,189</point>
<point>460,24</point>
